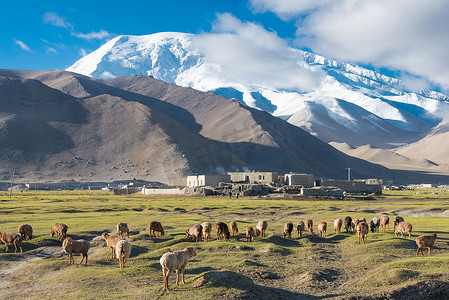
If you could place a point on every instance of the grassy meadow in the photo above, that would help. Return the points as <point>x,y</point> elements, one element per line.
<point>273,267</point>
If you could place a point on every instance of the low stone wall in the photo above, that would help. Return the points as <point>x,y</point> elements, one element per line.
<point>174,191</point>
<point>322,191</point>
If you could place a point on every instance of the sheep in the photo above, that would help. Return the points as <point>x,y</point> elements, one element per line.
<point>374,224</point>
<point>425,241</point>
<point>362,231</point>
<point>195,231</point>
<point>384,222</point>
<point>250,234</point>
<point>309,225</point>
<point>122,252</point>
<point>261,228</point>
<point>354,224</point>
<point>396,221</point>
<point>122,229</point>
<point>60,230</point>
<point>12,238</point>
<point>111,241</point>
<point>154,227</point>
<point>402,228</point>
<point>337,225</point>
<point>71,247</point>
<point>347,222</point>
<point>362,219</point>
<point>25,231</point>
<point>222,231</point>
<point>234,228</point>
<point>322,227</point>
<point>300,228</point>
<point>288,228</point>
<point>177,260</point>
<point>207,228</point>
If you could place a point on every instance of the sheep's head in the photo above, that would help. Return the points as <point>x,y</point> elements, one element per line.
<point>105,235</point>
<point>257,232</point>
<point>52,233</point>
<point>162,232</point>
<point>191,251</point>
<point>434,236</point>
<point>187,233</point>
<point>227,235</point>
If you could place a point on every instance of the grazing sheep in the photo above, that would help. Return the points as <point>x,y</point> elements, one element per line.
<point>222,231</point>
<point>309,225</point>
<point>60,229</point>
<point>337,225</point>
<point>195,231</point>
<point>362,219</point>
<point>177,260</point>
<point>207,228</point>
<point>155,226</point>
<point>374,224</point>
<point>250,234</point>
<point>234,228</point>
<point>425,241</point>
<point>12,238</point>
<point>300,228</point>
<point>122,229</point>
<point>396,221</point>
<point>261,228</point>
<point>404,227</point>
<point>362,231</point>
<point>384,222</point>
<point>288,228</point>
<point>347,222</point>
<point>71,247</point>
<point>322,227</point>
<point>111,241</point>
<point>25,231</point>
<point>122,252</point>
<point>354,224</point>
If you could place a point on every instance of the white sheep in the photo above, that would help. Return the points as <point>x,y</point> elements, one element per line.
<point>177,260</point>
<point>122,252</point>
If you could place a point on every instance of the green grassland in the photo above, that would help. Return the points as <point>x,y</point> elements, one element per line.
<point>272,267</point>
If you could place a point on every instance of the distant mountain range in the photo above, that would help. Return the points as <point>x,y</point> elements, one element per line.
<point>357,110</point>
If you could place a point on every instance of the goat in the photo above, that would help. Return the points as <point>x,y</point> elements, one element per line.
<point>348,221</point>
<point>261,228</point>
<point>396,221</point>
<point>207,228</point>
<point>195,231</point>
<point>362,231</point>
<point>177,260</point>
<point>25,231</point>
<point>309,225</point>
<point>154,227</point>
<point>300,228</point>
<point>222,231</point>
<point>337,225</point>
<point>288,228</point>
<point>111,242</point>
<point>322,227</point>
<point>234,228</point>
<point>384,222</point>
<point>404,227</point>
<point>60,230</point>
<point>12,238</point>
<point>425,241</point>
<point>122,229</point>
<point>250,234</point>
<point>71,247</point>
<point>374,224</point>
<point>122,252</point>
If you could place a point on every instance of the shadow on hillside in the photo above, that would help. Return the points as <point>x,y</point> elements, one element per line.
<point>280,241</point>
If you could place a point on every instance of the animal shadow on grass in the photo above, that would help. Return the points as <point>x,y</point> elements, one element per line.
<point>138,250</point>
<point>280,241</point>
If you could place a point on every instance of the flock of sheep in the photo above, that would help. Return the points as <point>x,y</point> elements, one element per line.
<point>178,260</point>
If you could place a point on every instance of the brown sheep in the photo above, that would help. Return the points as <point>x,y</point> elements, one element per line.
<point>207,228</point>
<point>155,226</point>
<point>309,225</point>
<point>111,242</point>
<point>354,224</point>
<point>322,227</point>
<point>261,228</point>
<point>396,221</point>
<point>122,252</point>
<point>300,228</point>
<point>384,222</point>
<point>71,247</point>
<point>404,227</point>
<point>25,231</point>
<point>425,241</point>
<point>177,260</point>
<point>362,219</point>
<point>222,231</point>
<point>288,228</point>
<point>234,228</point>
<point>195,231</point>
<point>337,225</point>
<point>122,229</point>
<point>348,221</point>
<point>250,234</point>
<point>362,231</point>
<point>12,238</point>
<point>60,230</point>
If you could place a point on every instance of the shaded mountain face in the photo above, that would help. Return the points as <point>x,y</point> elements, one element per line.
<point>59,125</point>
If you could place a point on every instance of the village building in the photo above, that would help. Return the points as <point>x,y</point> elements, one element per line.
<point>254,177</point>
<point>306,180</point>
<point>354,186</point>
<point>207,180</point>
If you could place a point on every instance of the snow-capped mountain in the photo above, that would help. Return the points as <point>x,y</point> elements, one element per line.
<point>351,104</point>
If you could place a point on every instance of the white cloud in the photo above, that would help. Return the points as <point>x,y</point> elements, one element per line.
<point>406,35</point>
<point>83,52</point>
<point>53,19</point>
<point>22,45</point>
<point>93,35</point>
<point>247,53</point>
<point>51,50</point>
